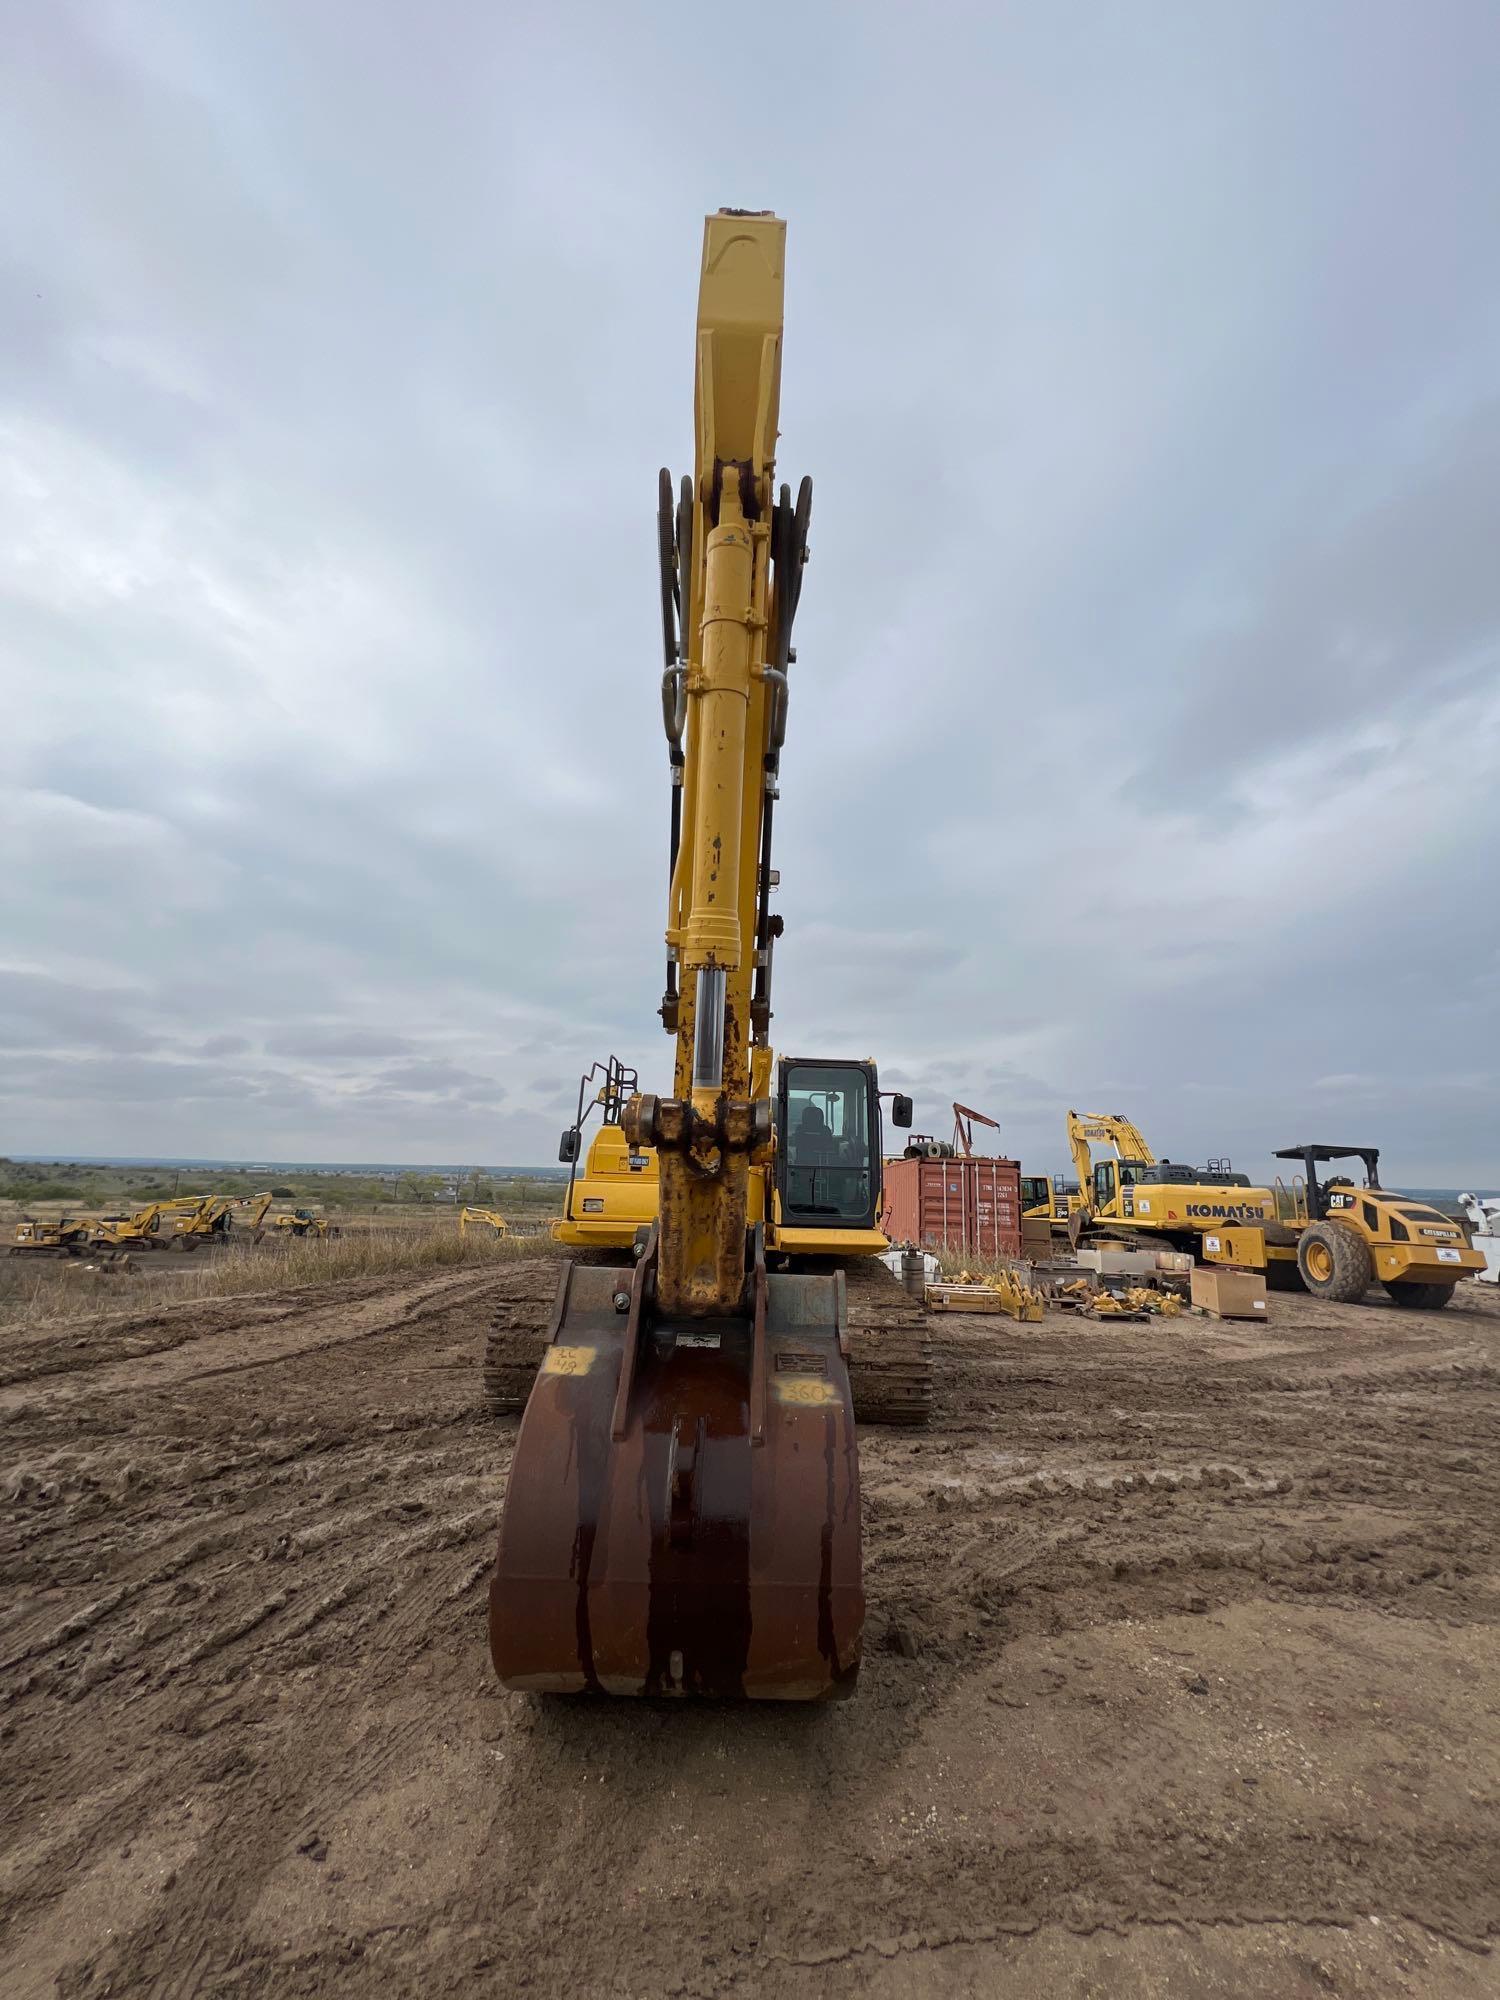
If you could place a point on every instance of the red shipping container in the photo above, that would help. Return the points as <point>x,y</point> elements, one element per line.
<point>970,1206</point>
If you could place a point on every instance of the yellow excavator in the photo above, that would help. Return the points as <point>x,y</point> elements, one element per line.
<point>256,1206</point>
<point>143,1229</point>
<point>682,1514</point>
<point>1044,1199</point>
<point>1132,1193</point>
<point>61,1236</point>
<point>482,1218</point>
<point>207,1224</point>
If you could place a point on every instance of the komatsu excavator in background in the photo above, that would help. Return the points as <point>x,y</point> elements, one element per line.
<point>1135,1194</point>
<point>682,1514</point>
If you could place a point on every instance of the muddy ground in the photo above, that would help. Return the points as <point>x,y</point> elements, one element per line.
<point>1181,1678</point>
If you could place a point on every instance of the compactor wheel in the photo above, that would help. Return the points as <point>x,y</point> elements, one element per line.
<point>1334,1262</point>
<point>1419,1297</point>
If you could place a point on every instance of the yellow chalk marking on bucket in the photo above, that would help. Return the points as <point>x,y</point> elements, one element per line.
<point>569,1360</point>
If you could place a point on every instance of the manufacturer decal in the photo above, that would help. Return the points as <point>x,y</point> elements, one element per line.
<point>1226,1211</point>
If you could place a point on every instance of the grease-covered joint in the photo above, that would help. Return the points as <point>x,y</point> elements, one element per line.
<point>676,1125</point>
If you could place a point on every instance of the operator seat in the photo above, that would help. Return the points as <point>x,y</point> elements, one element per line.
<point>815,1143</point>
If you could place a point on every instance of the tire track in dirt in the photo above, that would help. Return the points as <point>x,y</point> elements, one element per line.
<point>190,1356</point>
<point>1173,1626</point>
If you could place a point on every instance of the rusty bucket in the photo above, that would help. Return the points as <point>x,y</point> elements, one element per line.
<point>682,1515</point>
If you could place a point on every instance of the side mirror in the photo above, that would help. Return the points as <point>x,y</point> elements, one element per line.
<point>568,1148</point>
<point>901,1111</point>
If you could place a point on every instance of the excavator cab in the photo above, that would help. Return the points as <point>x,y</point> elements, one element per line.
<point>828,1161</point>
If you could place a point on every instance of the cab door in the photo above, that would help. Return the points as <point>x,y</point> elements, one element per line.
<point>1107,1188</point>
<point>828,1145</point>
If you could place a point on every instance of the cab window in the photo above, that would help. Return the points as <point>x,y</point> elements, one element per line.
<point>826,1146</point>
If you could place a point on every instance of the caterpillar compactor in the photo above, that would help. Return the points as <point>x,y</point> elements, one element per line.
<point>1336,1239</point>
<point>682,1515</point>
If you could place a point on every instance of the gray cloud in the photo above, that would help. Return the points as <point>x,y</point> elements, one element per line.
<point>1147,716</point>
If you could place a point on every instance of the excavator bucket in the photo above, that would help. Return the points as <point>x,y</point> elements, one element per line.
<point>683,1509</point>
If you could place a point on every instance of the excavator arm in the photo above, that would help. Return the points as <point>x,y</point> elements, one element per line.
<point>682,1513</point>
<point>1109,1128</point>
<point>735,550</point>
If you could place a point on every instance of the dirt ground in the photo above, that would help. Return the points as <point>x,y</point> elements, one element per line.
<point>1181,1678</point>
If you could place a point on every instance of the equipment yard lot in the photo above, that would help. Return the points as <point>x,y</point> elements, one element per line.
<point>1181,1676</point>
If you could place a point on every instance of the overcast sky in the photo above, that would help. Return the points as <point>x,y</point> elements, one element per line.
<point>1146,724</point>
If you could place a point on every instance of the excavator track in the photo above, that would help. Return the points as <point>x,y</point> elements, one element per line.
<point>520,1332</point>
<point>890,1351</point>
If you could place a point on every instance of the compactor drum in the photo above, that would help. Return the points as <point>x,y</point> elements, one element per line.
<point>683,1514</point>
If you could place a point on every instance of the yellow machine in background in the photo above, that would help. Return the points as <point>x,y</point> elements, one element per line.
<point>482,1218</point>
<point>208,1223</point>
<point>256,1206</point>
<point>1338,1239</point>
<point>302,1222</point>
<point>143,1230</point>
<point>67,1236</point>
<point>613,1200</point>
<point>1047,1200</point>
<point>1134,1193</point>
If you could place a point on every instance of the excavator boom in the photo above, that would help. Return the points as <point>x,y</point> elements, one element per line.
<point>682,1515</point>
<point>1109,1128</point>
